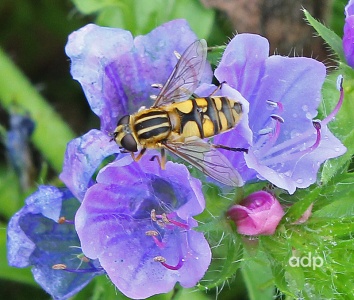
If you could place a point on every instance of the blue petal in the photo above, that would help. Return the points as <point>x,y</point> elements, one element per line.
<point>82,157</point>
<point>115,215</point>
<point>36,239</point>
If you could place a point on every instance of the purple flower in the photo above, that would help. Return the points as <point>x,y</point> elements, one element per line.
<point>288,146</point>
<point>137,221</point>
<point>135,218</point>
<point>257,214</point>
<point>348,36</point>
<point>35,238</point>
<point>18,149</point>
<point>116,70</point>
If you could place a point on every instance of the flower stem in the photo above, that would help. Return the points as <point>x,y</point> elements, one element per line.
<point>51,133</point>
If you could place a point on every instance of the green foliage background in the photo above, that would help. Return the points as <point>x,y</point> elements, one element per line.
<point>34,75</point>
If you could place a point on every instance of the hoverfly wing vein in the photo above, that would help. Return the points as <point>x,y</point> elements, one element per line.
<point>207,159</point>
<point>186,75</point>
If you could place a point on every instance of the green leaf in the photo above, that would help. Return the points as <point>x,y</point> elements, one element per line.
<point>343,124</point>
<point>226,257</point>
<point>51,133</point>
<point>142,16</point>
<point>258,276</point>
<point>337,199</point>
<point>332,39</point>
<point>215,54</point>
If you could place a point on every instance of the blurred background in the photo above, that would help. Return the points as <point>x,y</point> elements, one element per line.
<point>33,34</point>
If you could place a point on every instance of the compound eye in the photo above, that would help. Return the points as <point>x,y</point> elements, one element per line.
<point>124,120</point>
<point>128,143</point>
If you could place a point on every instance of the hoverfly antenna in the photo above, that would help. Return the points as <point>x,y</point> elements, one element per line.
<point>113,135</point>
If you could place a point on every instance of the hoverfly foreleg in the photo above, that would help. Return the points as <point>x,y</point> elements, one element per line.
<point>217,88</point>
<point>137,158</point>
<point>230,148</point>
<point>162,161</point>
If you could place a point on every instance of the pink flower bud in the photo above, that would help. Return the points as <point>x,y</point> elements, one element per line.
<point>257,214</point>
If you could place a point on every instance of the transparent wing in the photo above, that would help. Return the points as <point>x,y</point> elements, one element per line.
<point>186,75</point>
<point>207,159</point>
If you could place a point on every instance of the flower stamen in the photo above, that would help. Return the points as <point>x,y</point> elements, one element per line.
<point>65,268</point>
<point>330,117</point>
<point>162,260</point>
<point>63,220</point>
<point>154,234</point>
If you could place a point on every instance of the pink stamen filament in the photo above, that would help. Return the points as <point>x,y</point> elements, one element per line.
<point>179,224</point>
<point>291,154</point>
<point>270,139</point>
<point>177,267</point>
<point>330,117</point>
<point>158,243</point>
<point>171,221</point>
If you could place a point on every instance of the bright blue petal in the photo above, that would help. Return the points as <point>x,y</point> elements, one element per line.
<point>35,238</point>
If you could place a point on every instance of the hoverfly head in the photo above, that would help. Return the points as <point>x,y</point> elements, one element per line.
<point>123,135</point>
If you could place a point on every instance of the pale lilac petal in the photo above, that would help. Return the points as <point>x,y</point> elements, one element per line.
<point>82,158</point>
<point>115,215</point>
<point>116,71</point>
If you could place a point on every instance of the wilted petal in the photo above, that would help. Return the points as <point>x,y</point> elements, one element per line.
<point>121,222</point>
<point>35,238</point>
<point>257,214</point>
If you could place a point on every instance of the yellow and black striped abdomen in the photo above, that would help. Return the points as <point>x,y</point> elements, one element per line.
<point>206,117</point>
<point>151,126</point>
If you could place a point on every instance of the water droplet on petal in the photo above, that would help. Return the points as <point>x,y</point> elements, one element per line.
<point>305,107</point>
<point>337,149</point>
<point>300,180</point>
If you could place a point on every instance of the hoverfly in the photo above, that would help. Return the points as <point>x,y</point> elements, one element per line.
<point>178,121</point>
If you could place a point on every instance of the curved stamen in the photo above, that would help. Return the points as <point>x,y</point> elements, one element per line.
<point>65,268</point>
<point>272,137</point>
<point>275,104</point>
<point>290,155</point>
<point>330,117</point>
<point>63,220</point>
<point>162,260</point>
<point>154,234</point>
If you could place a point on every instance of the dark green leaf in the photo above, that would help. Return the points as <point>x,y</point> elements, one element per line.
<point>333,40</point>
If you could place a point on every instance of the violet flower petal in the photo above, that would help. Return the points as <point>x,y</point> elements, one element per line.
<point>115,215</point>
<point>36,239</point>
<point>294,87</point>
<point>82,157</point>
<point>348,34</point>
<point>116,71</point>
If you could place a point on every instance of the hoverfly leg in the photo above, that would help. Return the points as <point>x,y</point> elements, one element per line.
<point>141,153</point>
<point>219,87</point>
<point>230,148</point>
<point>195,96</point>
<point>162,161</point>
